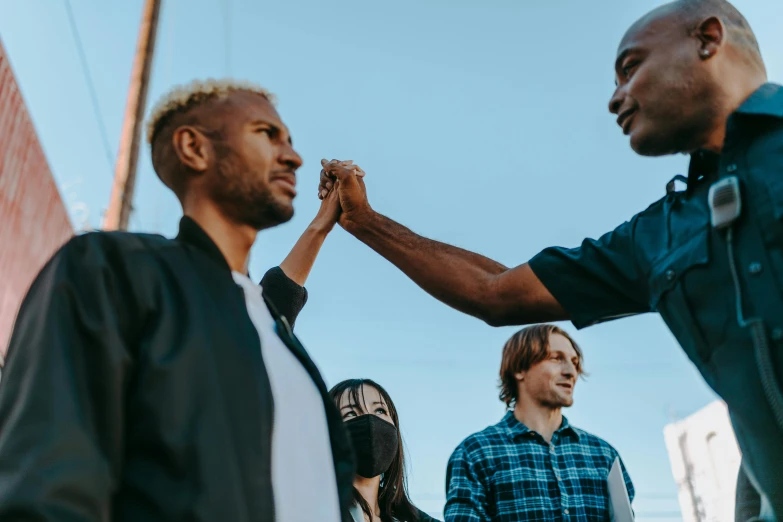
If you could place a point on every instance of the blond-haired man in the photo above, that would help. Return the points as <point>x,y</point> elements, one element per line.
<point>149,379</point>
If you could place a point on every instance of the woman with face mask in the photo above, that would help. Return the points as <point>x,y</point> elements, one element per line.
<point>380,487</point>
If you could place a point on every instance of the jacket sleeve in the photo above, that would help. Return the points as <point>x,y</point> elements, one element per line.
<point>61,394</point>
<point>288,297</point>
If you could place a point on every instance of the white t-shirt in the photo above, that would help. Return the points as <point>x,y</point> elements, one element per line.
<point>303,478</point>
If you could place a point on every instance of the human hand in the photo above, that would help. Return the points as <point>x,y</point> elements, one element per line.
<point>329,212</point>
<point>346,179</point>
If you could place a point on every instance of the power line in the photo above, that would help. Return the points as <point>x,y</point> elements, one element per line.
<point>659,514</point>
<point>91,87</point>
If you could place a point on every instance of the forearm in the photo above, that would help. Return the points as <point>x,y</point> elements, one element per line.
<point>299,262</point>
<point>463,280</point>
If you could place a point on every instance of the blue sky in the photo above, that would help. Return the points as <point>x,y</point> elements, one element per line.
<point>482,124</point>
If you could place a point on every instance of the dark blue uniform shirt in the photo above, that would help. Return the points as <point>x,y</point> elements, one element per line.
<point>669,259</point>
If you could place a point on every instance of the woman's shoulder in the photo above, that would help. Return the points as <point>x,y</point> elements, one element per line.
<point>358,515</point>
<point>424,517</point>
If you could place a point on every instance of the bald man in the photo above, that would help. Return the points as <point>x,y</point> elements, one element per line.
<point>690,79</point>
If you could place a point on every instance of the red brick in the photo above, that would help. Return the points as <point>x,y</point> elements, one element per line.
<point>33,220</point>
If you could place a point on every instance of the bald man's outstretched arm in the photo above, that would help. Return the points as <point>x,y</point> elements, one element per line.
<point>463,280</point>
<point>469,282</point>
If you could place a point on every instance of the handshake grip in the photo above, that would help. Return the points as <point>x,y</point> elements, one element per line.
<point>333,171</point>
<point>348,180</point>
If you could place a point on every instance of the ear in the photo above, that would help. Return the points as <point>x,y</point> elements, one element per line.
<point>519,376</point>
<point>711,34</point>
<point>193,148</point>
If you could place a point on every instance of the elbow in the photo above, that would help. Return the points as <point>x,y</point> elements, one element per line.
<point>493,322</point>
<point>496,319</point>
<point>506,308</point>
<point>508,316</point>
<point>489,307</point>
<point>519,315</point>
<point>488,304</point>
<point>496,315</point>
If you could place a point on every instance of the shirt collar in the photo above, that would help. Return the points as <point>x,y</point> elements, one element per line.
<point>516,429</point>
<point>767,100</point>
<point>191,233</point>
<point>704,164</point>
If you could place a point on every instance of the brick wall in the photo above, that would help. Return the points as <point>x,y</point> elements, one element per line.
<point>33,219</point>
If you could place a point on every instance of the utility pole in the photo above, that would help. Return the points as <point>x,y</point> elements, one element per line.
<point>121,202</point>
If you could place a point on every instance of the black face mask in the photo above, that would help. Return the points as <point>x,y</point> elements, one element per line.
<point>375,443</point>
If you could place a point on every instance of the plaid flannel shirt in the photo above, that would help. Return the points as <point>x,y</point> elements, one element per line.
<point>509,473</point>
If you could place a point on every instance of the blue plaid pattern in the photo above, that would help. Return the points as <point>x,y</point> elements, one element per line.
<point>508,473</point>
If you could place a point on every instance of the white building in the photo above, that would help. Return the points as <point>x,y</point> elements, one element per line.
<point>705,460</point>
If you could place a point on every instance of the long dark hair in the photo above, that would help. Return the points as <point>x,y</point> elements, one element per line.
<point>393,496</point>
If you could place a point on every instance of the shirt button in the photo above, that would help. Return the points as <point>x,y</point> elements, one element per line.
<point>566,512</point>
<point>731,168</point>
<point>670,275</point>
<point>551,449</point>
<point>755,268</point>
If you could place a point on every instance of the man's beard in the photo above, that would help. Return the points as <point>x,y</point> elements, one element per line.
<point>555,400</point>
<point>243,198</point>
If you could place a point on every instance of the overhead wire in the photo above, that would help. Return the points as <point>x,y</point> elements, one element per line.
<point>90,85</point>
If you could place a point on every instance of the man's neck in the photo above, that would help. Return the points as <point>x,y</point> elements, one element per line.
<point>368,489</point>
<point>735,98</point>
<point>543,420</point>
<point>233,240</point>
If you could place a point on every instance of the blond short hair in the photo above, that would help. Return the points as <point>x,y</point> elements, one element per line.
<point>183,98</point>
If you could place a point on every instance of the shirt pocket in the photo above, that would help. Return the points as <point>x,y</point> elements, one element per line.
<point>592,493</point>
<point>668,293</point>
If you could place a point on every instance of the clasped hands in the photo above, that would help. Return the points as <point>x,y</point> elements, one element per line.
<point>345,181</point>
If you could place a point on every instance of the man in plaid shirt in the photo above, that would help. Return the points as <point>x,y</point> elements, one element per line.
<point>533,465</point>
